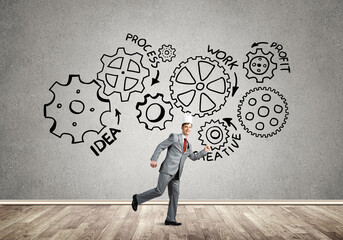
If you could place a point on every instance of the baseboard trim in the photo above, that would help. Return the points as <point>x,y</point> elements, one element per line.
<point>162,202</point>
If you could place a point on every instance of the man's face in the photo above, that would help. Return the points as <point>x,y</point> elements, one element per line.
<point>186,129</point>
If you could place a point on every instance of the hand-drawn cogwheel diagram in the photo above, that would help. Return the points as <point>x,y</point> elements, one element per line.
<point>154,112</point>
<point>214,133</point>
<point>260,65</point>
<point>200,86</point>
<point>123,73</point>
<point>263,112</point>
<point>166,53</point>
<point>73,109</point>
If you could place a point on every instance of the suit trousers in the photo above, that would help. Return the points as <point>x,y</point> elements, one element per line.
<point>164,180</point>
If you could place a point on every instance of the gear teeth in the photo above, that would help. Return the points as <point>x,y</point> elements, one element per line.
<point>122,73</point>
<point>258,93</point>
<point>218,125</point>
<point>166,53</point>
<point>73,99</point>
<point>143,108</point>
<point>193,107</point>
<point>267,71</point>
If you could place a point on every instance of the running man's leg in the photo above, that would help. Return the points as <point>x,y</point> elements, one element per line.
<point>163,180</point>
<point>173,192</point>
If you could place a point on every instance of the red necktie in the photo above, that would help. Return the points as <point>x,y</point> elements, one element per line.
<point>184,145</point>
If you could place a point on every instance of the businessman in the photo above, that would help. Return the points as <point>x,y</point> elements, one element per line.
<point>171,169</point>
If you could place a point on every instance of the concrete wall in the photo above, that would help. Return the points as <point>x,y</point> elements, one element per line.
<point>44,42</point>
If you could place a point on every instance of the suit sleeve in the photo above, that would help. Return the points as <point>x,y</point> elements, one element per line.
<point>197,155</point>
<point>163,145</point>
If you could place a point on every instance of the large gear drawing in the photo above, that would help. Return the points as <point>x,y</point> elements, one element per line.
<point>214,133</point>
<point>154,112</point>
<point>259,65</point>
<point>200,86</point>
<point>263,112</point>
<point>76,108</point>
<point>166,53</point>
<point>123,73</point>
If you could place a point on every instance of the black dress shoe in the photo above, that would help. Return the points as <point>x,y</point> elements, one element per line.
<point>134,203</point>
<point>174,223</point>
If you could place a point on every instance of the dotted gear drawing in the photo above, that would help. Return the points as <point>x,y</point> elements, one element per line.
<point>73,109</point>
<point>214,133</point>
<point>200,86</point>
<point>260,65</point>
<point>263,112</point>
<point>166,53</point>
<point>154,112</point>
<point>123,73</point>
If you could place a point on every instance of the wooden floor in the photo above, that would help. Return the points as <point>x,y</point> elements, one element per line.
<point>199,222</point>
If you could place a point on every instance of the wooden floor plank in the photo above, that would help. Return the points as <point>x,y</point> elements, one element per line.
<point>232,222</point>
<point>129,224</point>
<point>260,223</point>
<point>15,216</point>
<point>300,227</point>
<point>77,233</point>
<point>41,223</point>
<point>272,222</point>
<point>318,222</point>
<point>97,221</point>
<point>275,221</point>
<point>115,222</point>
<point>71,220</point>
<point>331,212</point>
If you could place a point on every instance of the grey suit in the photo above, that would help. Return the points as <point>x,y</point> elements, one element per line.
<point>170,171</point>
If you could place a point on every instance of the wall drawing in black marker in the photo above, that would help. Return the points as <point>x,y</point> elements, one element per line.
<point>263,112</point>
<point>265,59</point>
<point>222,136</point>
<point>154,112</point>
<point>200,86</point>
<point>123,73</point>
<point>260,65</point>
<point>214,133</point>
<point>166,53</point>
<point>76,108</point>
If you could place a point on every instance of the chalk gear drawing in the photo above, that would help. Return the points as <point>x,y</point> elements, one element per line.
<point>200,86</point>
<point>214,133</point>
<point>76,108</point>
<point>263,112</point>
<point>154,112</point>
<point>260,65</point>
<point>166,53</point>
<point>123,73</point>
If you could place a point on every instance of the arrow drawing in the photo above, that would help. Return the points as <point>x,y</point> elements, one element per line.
<point>118,115</point>
<point>256,44</point>
<point>235,88</point>
<point>229,123</point>
<point>155,80</point>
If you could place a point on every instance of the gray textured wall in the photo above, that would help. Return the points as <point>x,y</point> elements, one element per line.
<point>44,41</point>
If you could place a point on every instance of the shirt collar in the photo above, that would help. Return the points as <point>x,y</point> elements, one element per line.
<point>183,136</point>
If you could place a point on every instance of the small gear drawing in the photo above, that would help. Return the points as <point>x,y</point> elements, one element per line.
<point>200,86</point>
<point>73,109</point>
<point>259,65</point>
<point>166,53</point>
<point>214,133</point>
<point>263,112</point>
<point>123,73</point>
<point>154,112</point>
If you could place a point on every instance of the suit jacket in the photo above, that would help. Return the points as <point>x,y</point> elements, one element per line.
<point>175,159</point>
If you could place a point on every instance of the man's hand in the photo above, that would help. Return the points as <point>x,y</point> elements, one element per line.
<point>207,148</point>
<point>153,164</point>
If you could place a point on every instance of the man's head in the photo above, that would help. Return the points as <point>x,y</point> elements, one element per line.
<point>186,125</point>
<point>186,129</point>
